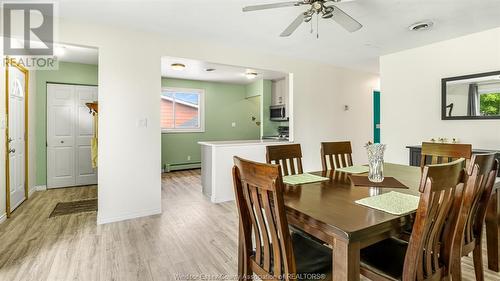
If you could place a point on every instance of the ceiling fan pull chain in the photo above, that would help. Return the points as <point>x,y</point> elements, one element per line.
<point>317,26</point>
<point>312,27</point>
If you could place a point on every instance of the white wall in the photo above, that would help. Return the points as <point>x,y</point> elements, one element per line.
<point>129,87</point>
<point>458,94</point>
<point>411,93</point>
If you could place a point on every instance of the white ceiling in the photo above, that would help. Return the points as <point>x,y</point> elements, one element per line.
<point>78,54</point>
<point>196,70</point>
<point>222,22</point>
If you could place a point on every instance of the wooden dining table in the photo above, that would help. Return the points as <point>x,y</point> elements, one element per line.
<point>327,211</point>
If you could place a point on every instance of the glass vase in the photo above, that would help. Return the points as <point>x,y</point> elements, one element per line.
<point>376,162</point>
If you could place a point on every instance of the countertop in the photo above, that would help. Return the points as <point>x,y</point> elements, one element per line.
<point>243,142</point>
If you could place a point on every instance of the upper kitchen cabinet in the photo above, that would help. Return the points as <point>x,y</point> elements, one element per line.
<point>280,92</point>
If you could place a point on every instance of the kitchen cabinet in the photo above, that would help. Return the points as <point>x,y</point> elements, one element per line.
<point>279,93</point>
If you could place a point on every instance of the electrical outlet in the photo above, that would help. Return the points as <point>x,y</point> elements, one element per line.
<point>233,124</point>
<point>189,157</point>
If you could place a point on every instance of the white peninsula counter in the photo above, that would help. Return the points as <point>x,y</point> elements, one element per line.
<point>217,164</point>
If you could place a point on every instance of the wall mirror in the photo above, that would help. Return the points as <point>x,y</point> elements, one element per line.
<point>474,96</point>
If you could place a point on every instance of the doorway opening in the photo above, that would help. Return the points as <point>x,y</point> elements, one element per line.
<point>71,117</point>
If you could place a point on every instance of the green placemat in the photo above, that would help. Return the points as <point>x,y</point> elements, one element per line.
<point>356,169</point>
<point>302,179</point>
<point>393,202</point>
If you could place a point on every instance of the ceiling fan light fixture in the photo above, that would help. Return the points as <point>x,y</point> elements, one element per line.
<point>178,66</point>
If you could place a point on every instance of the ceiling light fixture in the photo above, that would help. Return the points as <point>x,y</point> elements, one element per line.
<point>420,26</point>
<point>59,51</point>
<point>251,75</point>
<point>178,66</point>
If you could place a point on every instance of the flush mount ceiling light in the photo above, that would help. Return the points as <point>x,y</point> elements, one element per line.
<point>420,26</point>
<point>59,51</point>
<point>178,66</point>
<point>251,75</point>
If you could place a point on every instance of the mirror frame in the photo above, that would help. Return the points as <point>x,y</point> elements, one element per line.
<point>443,96</point>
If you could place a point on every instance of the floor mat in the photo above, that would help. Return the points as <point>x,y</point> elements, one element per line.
<point>74,207</point>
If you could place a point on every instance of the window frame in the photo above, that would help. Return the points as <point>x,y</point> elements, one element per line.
<point>201,110</point>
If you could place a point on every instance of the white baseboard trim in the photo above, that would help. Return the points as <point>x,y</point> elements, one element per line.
<point>3,217</point>
<point>145,213</point>
<point>31,191</point>
<point>36,188</point>
<point>40,187</point>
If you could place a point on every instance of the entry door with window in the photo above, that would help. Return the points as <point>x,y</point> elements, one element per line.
<point>69,133</point>
<point>17,136</point>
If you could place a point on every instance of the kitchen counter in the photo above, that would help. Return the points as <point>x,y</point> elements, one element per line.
<point>243,142</point>
<point>217,164</point>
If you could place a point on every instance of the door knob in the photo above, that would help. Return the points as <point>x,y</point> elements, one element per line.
<point>12,150</point>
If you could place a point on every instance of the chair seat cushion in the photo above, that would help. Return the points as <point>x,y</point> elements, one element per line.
<point>385,258</point>
<point>311,257</point>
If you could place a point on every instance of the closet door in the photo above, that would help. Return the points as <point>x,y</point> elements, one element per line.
<point>85,174</point>
<point>60,135</point>
<point>70,129</point>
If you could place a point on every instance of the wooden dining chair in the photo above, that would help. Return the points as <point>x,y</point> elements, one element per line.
<point>336,154</point>
<point>427,256</point>
<point>438,153</point>
<point>481,176</point>
<point>267,248</point>
<point>288,156</point>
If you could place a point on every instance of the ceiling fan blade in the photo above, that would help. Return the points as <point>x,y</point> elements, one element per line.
<point>345,20</point>
<point>271,6</point>
<point>293,26</point>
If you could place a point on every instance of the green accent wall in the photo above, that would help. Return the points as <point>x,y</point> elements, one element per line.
<point>255,89</point>
<point>224,104</point>
<point>69,73</point>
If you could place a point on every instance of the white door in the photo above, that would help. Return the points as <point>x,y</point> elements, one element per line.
<point>17,137</point>
<point>69,131</point>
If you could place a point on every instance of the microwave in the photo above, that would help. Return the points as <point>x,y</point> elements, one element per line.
<point>278,113</point>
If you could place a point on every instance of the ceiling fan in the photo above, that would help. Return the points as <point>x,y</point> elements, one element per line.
<point>317,7</point>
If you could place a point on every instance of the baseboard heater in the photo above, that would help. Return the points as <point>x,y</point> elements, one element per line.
<point>182,166</point>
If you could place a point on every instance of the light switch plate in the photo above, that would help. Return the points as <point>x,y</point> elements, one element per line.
<point>142,123</point>
<point>233,124</point>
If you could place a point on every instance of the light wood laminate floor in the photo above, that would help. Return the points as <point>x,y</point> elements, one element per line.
<point>192,239</point>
